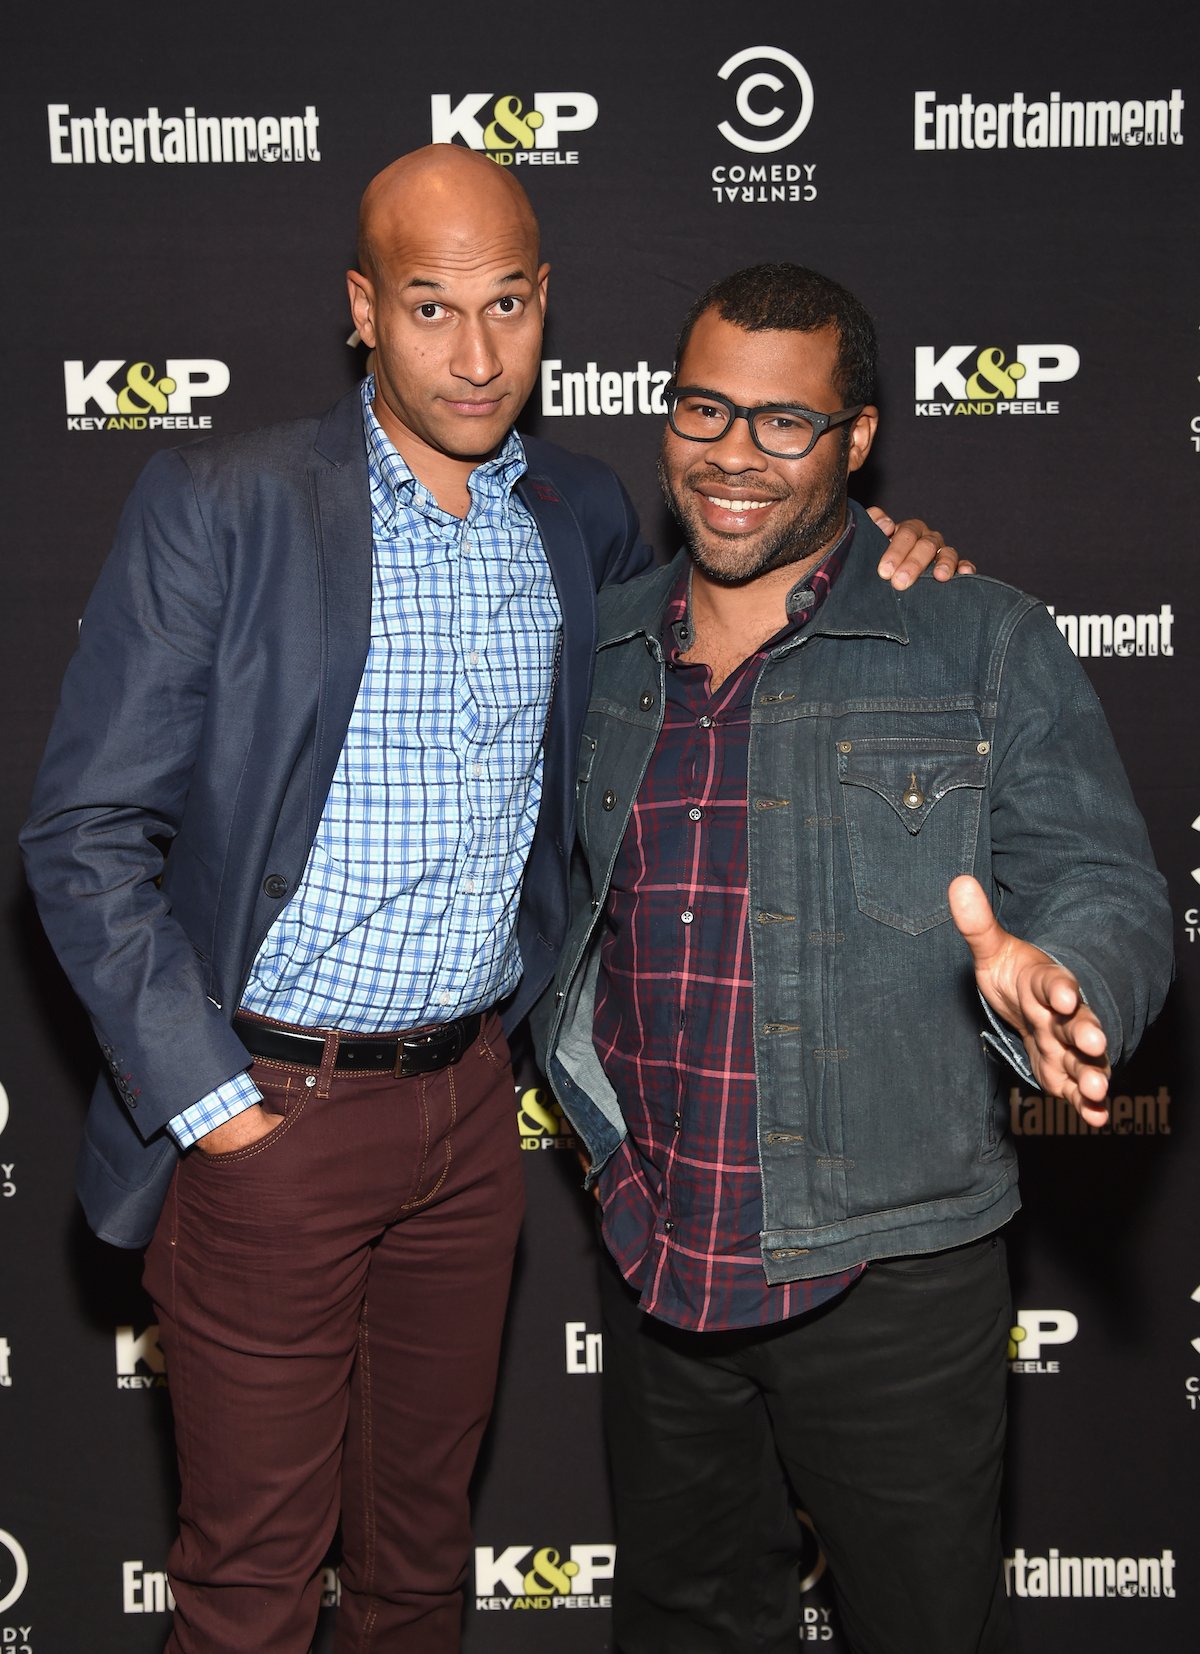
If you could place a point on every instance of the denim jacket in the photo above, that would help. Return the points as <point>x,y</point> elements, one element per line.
<point>898,739</point>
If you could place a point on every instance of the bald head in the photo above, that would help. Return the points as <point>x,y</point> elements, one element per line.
<point>445,191</point>
<point>450,299</point>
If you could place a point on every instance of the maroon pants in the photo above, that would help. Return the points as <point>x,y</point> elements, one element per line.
<point>330,1301</point>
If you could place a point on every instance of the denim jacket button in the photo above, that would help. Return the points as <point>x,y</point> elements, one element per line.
<point>984,746</point>
<point>646,701</point>
<point>609,800</point>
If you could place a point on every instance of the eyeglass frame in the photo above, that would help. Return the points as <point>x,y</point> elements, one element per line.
<point>821,422</point>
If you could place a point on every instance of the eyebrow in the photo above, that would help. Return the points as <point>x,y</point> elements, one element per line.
<point>427,283</point>
<point>771,402</point>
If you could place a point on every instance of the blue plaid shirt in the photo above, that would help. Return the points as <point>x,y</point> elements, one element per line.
<point>406,913</point>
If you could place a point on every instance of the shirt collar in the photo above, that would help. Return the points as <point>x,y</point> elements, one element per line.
<point>494,479</point>
<point>803,601</point>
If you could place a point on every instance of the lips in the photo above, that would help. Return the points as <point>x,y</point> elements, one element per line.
<point>733,513</point>
<point>473,410</point>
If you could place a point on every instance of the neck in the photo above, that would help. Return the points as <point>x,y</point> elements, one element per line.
<point>446,476</point>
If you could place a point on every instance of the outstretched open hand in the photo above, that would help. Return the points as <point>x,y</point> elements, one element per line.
<point>1041,1000</point>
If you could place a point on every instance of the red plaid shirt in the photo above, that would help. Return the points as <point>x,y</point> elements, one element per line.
<point>682,1197</point>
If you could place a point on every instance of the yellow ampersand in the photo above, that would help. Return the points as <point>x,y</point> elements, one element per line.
<point>992,371</point>
<point>537,1117</point>
<point>142,393</point>
<point>516,127</point>
<point>546,1578</point>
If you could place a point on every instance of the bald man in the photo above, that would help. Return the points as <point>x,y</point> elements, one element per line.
<point>341,666</point>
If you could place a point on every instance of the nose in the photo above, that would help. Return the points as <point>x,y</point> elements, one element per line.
<point>736,449</point>
<point>474,358</point>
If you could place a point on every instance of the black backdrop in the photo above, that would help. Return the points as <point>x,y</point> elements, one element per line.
<point>147,242</point>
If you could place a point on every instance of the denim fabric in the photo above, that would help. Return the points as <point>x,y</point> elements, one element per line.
<point>902,739</point>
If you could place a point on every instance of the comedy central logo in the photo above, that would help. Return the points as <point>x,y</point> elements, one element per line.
<point>967,380</point>
<point>14,1571</point>
<point>514,128</point>
<point>116,395</point>
<point>527,1577</point>
<point>771,105</point>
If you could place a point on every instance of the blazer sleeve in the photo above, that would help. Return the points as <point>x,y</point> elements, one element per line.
<point>110,796</point>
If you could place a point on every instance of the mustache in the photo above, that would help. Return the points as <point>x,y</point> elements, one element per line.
<point>751,481</point>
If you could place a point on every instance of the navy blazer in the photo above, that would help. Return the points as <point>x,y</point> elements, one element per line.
<point>206,707</point>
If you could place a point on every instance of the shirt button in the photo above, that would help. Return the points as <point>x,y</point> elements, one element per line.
<point>474,657</point>
<point>677,1121</point>
<point>687,915</point>
<point>669,1227</point>
<point>693,814</point>
<point>706,722</point>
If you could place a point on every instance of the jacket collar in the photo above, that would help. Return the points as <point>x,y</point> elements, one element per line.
<point>860,604</point>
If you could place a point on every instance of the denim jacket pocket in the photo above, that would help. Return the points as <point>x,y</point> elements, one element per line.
<point>911,808</point>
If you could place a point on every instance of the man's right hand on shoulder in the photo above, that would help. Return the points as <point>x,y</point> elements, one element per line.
<point>240,1132</point>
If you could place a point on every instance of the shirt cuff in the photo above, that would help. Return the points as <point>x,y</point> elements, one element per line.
<point>227,1101</point>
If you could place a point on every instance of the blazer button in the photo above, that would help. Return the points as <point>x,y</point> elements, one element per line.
<point>275,886</point>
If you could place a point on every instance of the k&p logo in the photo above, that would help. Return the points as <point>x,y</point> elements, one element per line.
<point>114,395</point>
<point>3,1108</point>
<point>144,1351</point>
<point>14,1571</point>
<point>1035,1330</point>
<point>526,1577</point>
<point>541,1123</point>
<point>988,381</point>
<point>763,123</point>
<point>514,128</point>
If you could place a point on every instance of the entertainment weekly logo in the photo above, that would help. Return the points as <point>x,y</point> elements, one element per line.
<point>1046,122</point>
<point>1144,1114</point>
<point>151,138</point>
<point>514,129</point>
<point>767,102</point>
<point>148,1591</point>
<point>1057,1574</point>
<point>575,393</point>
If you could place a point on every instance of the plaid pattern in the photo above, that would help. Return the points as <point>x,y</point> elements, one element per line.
<point>407,911</point>
<point>682,1197</point>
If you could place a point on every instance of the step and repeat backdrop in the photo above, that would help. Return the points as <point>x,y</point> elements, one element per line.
<point>1012,192</point>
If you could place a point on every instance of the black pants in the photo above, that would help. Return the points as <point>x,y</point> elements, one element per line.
<point>881,1414</point>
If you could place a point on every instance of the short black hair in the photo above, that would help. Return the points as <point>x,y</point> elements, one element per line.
<point>764,297</point>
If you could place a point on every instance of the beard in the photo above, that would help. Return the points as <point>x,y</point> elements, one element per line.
<point>802,537</point>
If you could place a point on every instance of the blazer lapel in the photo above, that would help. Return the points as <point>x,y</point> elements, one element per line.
<point>342,521</point>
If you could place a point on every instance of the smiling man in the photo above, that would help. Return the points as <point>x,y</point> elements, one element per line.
<point>341,665</point>
<point>798,791</point>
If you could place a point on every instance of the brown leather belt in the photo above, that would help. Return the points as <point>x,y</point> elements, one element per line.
<point>422,1052</point>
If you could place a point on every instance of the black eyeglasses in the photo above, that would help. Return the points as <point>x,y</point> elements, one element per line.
<point>786,431</point>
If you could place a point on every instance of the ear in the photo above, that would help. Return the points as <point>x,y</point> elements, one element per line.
<point>362,306</point>
<point>543,284</point>
<point>862,435</point>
